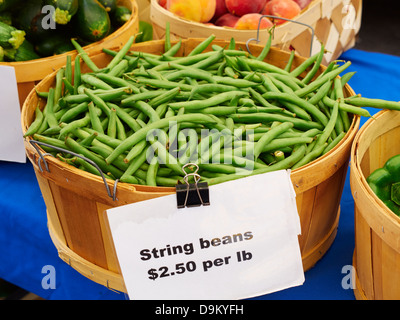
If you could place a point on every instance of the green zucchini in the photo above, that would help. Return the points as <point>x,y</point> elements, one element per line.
<point>1,54</point>
<point>25,52</point>
<point>121,15</point>
<point>6,17</point>
<point>92,20</point>
<point>65,9</point>
<point>8,4</point>
<point>10,37</point>
<point>109,5</point>
<point>145,32</point>
<point>48,45</point>
<point>29,18</point>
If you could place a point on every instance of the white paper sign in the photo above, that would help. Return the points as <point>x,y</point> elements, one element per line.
<point>11,139</point>
<point>243,244</point>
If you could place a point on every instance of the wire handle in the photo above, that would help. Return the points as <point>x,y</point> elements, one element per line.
<point>281,18</point>
<point>41,159</point>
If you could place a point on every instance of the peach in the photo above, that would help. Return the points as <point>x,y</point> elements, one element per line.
<point>220,9</point>
<point>250,21</point>
<point>302,3</point>
<point>194,10</point>
<point>227,20</point>
<point>281,8</point>
<point>163,3</point>
<point>242,7</point>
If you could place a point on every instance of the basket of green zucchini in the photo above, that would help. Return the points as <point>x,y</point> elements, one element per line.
<point>35,35</point>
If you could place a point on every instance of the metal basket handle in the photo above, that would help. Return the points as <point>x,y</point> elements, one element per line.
<point>281,18</point>
<point>35,144</point>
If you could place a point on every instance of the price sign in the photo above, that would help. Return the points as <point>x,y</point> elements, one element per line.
<point>243,244</point>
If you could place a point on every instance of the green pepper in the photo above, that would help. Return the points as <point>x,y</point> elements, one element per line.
<point>385,182</point>
<point>145,32</point>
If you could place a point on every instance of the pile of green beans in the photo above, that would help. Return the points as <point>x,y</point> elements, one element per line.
<point>144,116</point>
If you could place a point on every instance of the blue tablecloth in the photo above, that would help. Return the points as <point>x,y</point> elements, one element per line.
<point>26,248</point>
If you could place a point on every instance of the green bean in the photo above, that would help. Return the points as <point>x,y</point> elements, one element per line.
<point>310,75</point>
<point>87,141</point>
<point>257,65</point>
<point>321,93</point>
<point>213,58</point>
<point>98,101</point>
<point>164,97</point>
<point>202,45</point>
<point>270,117</point>
<point>269,136</point>
<point>121,53</point>
<point>147,110</point>
<point>334,142</point>
<point>75,124</point>
<point>303,66</point>
<point>77,73</point>
<point>68,86</point>
<point>284,164</point>
<point>264,52</point>
<point>172,51</point>
<point>58,89</point>
<point>77,148</point>
<point>112,124</point>
<point>213,101</point>
<point>95,82</point>
<point>85,56</point>
<point>152,172</point>
<point>289,64</point>
<point>136,150</point>
<point>373,103</point>
<point>347,107</point>
<point>320,81</point>
<point>329,127</point>
<point>48,111</point>
<point>310,108</point>
<point>35,125</point>
<point>108,95</point>
<point>316,152</point>
<point>337,86</point>
<point>119,69</point>
<point>155,83</point>
<point>280,143</point>
<point>52,141</point>
<point>141,134</point>
<point>94,118</point>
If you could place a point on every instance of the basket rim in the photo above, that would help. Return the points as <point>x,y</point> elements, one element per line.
<point>361,180</point>
<point>296,174</point>
<point>89,47</point>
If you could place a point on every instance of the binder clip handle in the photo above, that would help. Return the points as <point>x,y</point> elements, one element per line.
<point>192,194</point>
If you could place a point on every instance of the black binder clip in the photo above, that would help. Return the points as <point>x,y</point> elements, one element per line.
<point>192,194</point>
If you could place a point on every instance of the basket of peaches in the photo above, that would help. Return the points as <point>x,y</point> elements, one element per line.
<point>303,27</point>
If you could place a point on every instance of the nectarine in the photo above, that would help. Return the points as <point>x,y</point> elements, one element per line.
<point>220,9</point>
<point>302,3</point>
<point>250,21</point>
<point>281,8</point>
<point>194,10</point>
<point>227,20</point>
<point>242,7</point>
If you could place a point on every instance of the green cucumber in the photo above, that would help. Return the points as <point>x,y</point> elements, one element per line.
<point>121,15</point>
<point>64,10</point>
<point>92,20</point>
<point>25,52</point>
<point>10,37</point>
<point>109,5</point>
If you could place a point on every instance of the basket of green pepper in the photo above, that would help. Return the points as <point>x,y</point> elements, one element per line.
<point>375,180</point>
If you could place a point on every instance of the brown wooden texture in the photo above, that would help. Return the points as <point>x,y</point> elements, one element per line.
<point>377,229</point>
<point>76,200</point>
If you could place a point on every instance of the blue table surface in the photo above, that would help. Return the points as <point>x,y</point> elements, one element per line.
<point>26,248</point>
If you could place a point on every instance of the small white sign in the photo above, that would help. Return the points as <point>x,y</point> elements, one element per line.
<point>11,139</point>
<point>244,244</point>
